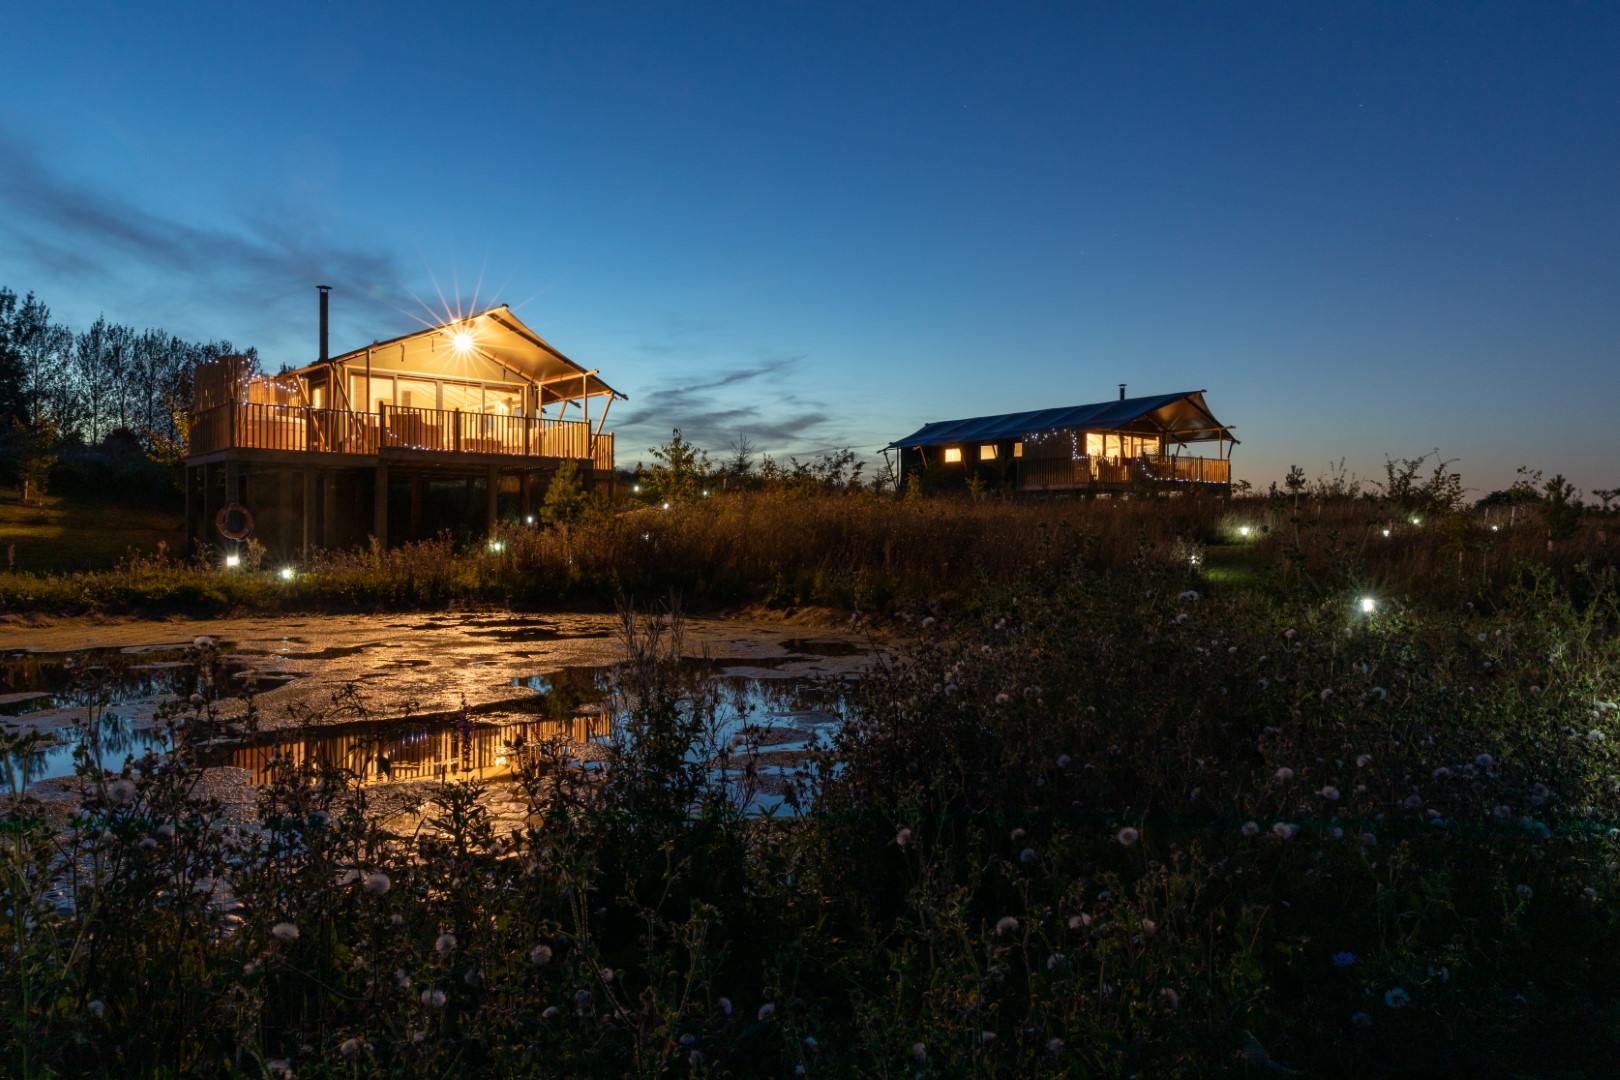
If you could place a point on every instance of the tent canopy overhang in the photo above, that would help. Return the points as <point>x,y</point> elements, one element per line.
<point>1180,418</point>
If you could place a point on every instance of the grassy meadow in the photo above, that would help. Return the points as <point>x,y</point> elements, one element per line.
<point>1137,793</point>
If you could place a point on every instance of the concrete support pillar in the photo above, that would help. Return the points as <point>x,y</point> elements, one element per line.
<point>416,507</point>
<point>492,488</point>
<point>379,513</point>
<point>311,510</point>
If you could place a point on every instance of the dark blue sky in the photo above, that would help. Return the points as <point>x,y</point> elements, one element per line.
<point>1365,229</point>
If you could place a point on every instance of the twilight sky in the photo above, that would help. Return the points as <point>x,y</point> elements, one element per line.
<point>1364,228</point>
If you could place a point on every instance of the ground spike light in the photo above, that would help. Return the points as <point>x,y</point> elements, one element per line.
<point>1367,604</point>
<point>288,573</point>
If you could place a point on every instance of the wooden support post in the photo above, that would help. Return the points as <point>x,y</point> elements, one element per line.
<point>329,530</point>
<point>311,508</point>
<point>379,506</point>
<point>205,503</point>
<point>492,488</point>
<point>526,487</point>
<point>191,525</point>
<point>416,507</point>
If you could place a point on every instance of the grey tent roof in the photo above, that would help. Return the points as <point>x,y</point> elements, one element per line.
<point>1182,416</point>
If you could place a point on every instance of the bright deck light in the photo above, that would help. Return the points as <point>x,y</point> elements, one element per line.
<point>287,573</point>
<point>232,561</point>
<point>1367,605</point>
<point>461,341</point>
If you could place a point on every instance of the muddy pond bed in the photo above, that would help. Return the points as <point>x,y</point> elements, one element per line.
<point>395,699</point>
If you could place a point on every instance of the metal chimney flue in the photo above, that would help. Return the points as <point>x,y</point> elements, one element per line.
<point>323,341</point>
<point>324,290</point>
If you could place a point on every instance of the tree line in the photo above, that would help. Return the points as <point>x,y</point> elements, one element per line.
<point>66,391</point>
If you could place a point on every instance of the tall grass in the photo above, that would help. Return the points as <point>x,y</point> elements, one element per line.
<point>864,552</point>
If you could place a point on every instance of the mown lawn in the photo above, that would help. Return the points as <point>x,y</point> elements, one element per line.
<point>65,534</point>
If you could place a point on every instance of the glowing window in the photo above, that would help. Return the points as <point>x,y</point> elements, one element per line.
<point>953,454</point>
<point>987,452</point>
<point>1018,449</point>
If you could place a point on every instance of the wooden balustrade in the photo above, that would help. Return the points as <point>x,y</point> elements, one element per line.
<point>302,428</point>
<point>1058,473</point>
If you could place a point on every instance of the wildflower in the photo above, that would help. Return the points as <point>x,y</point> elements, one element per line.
<point>1190,594</point>
<point>606,974</point>
<point>810,1042</point>
<point>1251,828</point>
<point>1284,775</point>
<point>197,699</point>
<point>1006,925</point>
<point>1127,836</point>
<point>1595,735</point>
<point>1053,960</point>
<point>1330,793</point>
<point>1396,998</point>
<point>1442,773</point>
<point>1077,921</point>
<point>96,1009</point>
<point>1016,835</point>
<point>1283,831</point>
<point>1170,997</point>
<point>1369,839</point>
<point>1361,1019</point>
<point>987,1037</point>
<point>1326,694</point>
<point>1001,699</point>
<point>1344,959</point>
<point>1363,760</point>
<point>1053,1046</point>
<point>540,955</point>
<point>928,621</point>
<point>919,1051</point>
<point>121,792</point>
<point>1589,892</point>
<point>725,1006</point>
<point>551,1013</point>
<point>348,877</point>
<point>1484,761</point>
<point>903,837</point>
<point>446,944</point>
<point>1412,802</point>
<point>1063,761</point>
<point>350,1047</point>
<point>281,1067</point>
<point>1524,892</point>
<point>433,999</point>
<point>377,883</point>
<point>1027,856</point>
<point>202,641</point>
<point>1149,927</point>
<point>473,977</point>
<point>767,1010</point>
<point>1337,833</point>
<point>1181,617</point>
<point>284,931</point>
<point>402,980</point>
<point>1383,695</point>
<point>397,919</point>
<point>1290,633</point>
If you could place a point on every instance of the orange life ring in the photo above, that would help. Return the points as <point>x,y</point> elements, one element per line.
<point>234,521</point>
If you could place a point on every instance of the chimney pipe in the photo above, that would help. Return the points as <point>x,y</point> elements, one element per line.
<point>323,341</point>
<point>324,290</point>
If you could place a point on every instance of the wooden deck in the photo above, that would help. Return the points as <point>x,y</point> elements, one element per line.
<point>393,433</point>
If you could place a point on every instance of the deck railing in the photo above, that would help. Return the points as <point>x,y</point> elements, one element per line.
<point>339,431</point>
<point>1083,472</point>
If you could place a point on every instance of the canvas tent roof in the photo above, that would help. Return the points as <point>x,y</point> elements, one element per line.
<point>500,336</point>
<point>1183,417</point>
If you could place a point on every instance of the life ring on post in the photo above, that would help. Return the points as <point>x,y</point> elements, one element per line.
<point>234,521</point>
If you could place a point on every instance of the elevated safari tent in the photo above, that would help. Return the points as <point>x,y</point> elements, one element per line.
<point>449,427</point>
<point>1163,442</point>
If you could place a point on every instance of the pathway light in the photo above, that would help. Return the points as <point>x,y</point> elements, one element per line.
<point>1243,530</point>
<point>288,573</point>
<point>232,561</point>
<point>1368,605</point>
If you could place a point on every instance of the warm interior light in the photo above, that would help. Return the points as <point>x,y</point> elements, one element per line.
<point>1367,605</point>
<point>953,454</point>
<point>987,452</point>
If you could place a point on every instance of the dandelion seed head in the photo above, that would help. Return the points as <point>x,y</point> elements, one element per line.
<point>377,883</point>
<point>1330,793</point>
<point>433,999</point>
<point>1283,831</point>
<point>96,1008</point>
<point>121,792</point>
<point>1396,998</point>
<point>1284,774</point>
<point>540,955</point>
<point>284,931</point>
<point>767,1010</point>
<point>446,944</point>
<point>1027,856</point>
<point>1007,924</point>
<point>903,837</point>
